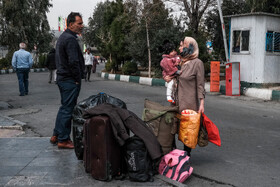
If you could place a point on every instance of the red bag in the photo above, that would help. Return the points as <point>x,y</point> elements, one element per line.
<point>212,130</point>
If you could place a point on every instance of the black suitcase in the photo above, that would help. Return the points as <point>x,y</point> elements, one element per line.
<point>102,153</point>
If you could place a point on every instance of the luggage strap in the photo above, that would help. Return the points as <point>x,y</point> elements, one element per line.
<point>157,116</point>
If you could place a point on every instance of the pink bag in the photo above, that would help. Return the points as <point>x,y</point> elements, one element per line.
<point>175,165</point>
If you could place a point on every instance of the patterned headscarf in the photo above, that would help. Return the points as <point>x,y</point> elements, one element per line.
<point>190,49</point>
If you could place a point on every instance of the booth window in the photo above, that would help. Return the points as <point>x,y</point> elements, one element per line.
<point>272,43</point>
<point>240,41</point>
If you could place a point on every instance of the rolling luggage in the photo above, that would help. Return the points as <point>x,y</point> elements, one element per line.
<point>78,120</point>
<point>102,153</point>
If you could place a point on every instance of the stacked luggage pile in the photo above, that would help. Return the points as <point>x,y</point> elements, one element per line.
<point>101,133</point>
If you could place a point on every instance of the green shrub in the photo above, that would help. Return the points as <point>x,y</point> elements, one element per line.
<point>109,66</point>
<point>41,61</point>
<point>207,68</point>
<point>158,73</point>
<point>129,68</point>
<point>4,63</point>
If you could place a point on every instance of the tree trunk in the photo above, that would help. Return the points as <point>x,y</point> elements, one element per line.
<point>149,50</point>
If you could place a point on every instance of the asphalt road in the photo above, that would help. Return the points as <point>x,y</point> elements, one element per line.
<point>249,128</point>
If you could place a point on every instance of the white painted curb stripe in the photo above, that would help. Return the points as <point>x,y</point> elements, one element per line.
<point>103,75</point>
<point>124,78</point>
<point>265,94</point>
<point>112,76</point>
<point>145,80</point>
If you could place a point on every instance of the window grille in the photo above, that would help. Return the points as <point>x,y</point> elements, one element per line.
<point>272,41</point>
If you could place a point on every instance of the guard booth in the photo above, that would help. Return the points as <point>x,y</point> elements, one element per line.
<point>255,43</point>
<point>233,79</point>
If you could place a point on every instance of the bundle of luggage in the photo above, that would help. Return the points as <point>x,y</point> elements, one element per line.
<point>101,126</point>
<point>101,134</point>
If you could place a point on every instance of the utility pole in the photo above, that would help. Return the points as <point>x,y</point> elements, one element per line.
<point>223,29</point>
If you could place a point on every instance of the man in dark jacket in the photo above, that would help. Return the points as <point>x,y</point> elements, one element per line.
<point>70,70</point>
<point>50,64</point>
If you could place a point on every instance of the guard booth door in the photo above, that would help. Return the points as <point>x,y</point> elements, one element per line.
<point>233,79</point>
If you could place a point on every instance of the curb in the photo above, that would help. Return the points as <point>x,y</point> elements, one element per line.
<point>135,79</point>
<point>11,123</point>
<point>9,71</point>
<point>170,181</point>
<point>265,94</point>
<point>141,80</point>
<point>260,93</point>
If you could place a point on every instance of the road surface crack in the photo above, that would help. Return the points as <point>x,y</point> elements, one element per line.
<point>212,180</point>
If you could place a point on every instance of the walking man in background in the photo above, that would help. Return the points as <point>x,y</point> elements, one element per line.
<point>70,70</point>
<point>22,62</point>
<point>50,64</point>
<point>88,62</point>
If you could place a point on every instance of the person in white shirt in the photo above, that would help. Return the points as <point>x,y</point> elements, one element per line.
<point>88,63</point>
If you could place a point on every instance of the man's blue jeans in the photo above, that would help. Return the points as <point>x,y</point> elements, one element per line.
<point>22,74</point>
<point>69,92</point>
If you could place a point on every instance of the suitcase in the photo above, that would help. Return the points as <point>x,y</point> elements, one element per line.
<point>102,153</point>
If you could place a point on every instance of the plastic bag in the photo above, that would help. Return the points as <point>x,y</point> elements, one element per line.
<point>212,130</point>
<point>78,120</point>
<point>189,128</point>
<point>202,140</point>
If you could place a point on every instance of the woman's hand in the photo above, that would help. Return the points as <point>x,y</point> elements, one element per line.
<point>167,78</point>
<point>201,106</point>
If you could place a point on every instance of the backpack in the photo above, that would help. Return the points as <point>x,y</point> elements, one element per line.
<point>138,160</point>
<point>175,165</point>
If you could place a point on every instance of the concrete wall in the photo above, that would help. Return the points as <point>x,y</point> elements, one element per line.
<point>256,66</point>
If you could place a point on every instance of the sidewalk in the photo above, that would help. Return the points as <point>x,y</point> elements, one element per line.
<point>272,93</point>
<point>35,162</point>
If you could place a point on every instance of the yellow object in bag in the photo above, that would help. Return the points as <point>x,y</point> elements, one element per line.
<point>189,128</point>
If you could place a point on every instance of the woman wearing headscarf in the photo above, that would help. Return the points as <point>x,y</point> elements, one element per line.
<point>190,92</point>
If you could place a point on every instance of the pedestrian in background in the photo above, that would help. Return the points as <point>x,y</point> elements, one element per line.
<point>50,64</point>
<point>95,62</point>
<point>88,63</point>
<point>190,92</point>
<point>70,70</point>
<point>22,62</point>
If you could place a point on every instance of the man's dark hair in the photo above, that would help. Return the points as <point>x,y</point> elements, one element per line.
<point>72,17</point>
